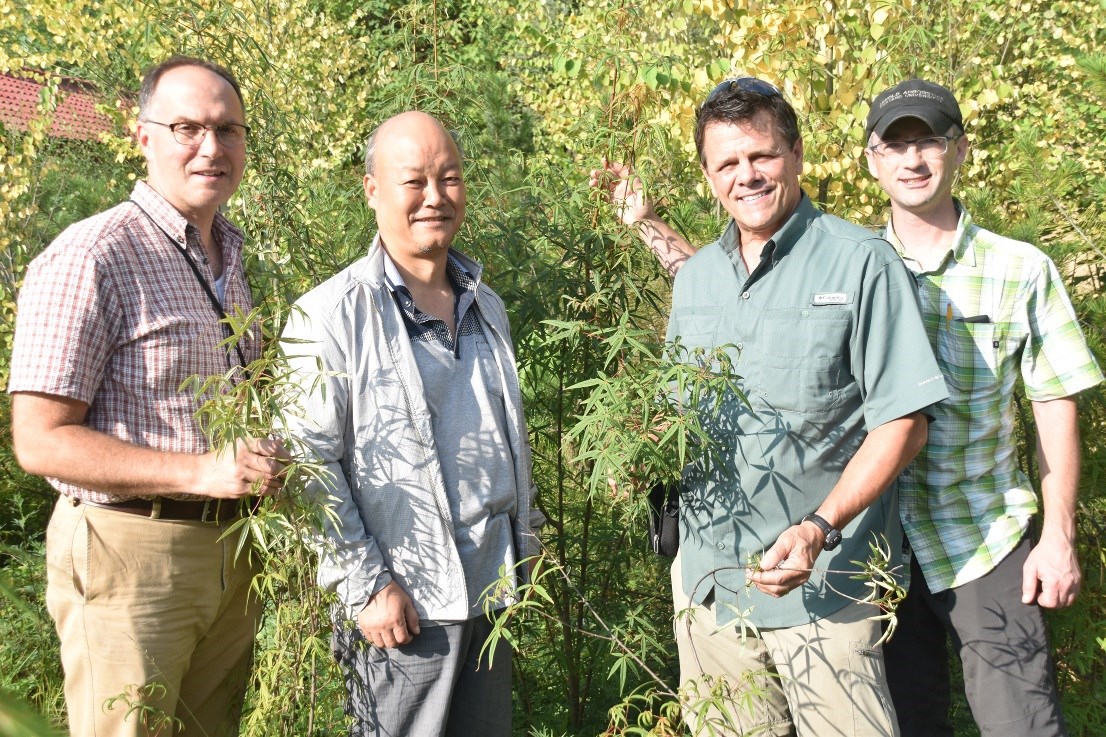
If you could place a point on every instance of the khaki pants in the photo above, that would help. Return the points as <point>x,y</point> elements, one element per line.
<point>156,612</point>
<point>823,679</point>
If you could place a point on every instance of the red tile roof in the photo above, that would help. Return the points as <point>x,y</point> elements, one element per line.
<point>75,117</point>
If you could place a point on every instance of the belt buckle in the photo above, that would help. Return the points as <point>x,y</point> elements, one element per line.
<point>211,508</point>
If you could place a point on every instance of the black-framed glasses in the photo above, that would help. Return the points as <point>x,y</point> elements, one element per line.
<point>231,135</point>
<point>929,146</point>
<point>748,84</point>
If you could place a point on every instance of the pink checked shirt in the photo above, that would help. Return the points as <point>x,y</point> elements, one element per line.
<point>110,314</point>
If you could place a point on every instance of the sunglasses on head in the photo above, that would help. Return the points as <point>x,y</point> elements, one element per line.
<point>748,84</point>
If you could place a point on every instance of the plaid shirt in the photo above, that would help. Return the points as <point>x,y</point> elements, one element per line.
<point>111,315</point>
<point>994,309</point>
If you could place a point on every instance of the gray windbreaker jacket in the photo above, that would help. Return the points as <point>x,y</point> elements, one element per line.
<point>365,420</point>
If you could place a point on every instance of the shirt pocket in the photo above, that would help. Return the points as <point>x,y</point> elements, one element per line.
<point>697,327</point>
<point>805,357</point>
<point>171,348</point>
<point>970,355</point>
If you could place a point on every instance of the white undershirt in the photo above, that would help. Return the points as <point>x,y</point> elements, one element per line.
<point>221,286</point>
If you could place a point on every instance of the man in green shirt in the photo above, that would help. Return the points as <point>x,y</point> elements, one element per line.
<point>825,335</point>
<point>994,309</point>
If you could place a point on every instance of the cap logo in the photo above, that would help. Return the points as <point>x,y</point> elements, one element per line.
<point>924,94</point>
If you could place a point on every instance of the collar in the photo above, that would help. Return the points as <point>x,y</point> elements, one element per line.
<point>166,217</point>
<point>963,242</point>
<point>784,239</point>
<point>379,269</point>
<point>459,277</point>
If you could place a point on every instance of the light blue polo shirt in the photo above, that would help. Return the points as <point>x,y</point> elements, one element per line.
<point>828,343</point>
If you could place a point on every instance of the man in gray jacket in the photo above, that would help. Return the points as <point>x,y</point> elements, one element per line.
<point>412,404</point>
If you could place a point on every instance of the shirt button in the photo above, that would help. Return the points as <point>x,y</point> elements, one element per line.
<point>910,518</point>
<point>745,295</point>
<point>721,546</point>
<point>740,346</point>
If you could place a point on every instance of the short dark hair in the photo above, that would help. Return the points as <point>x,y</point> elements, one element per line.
<point>734,103</point>
<point>153,75</point>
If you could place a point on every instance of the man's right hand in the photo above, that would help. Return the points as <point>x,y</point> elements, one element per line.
<point>624,189</point>
<point>256,467</point>
<point>389,619</point>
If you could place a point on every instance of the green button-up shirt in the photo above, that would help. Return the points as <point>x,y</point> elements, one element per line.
<point>828,343</point>
<point>994,309</point>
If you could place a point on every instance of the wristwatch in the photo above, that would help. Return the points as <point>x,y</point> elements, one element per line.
<point>833,535</point>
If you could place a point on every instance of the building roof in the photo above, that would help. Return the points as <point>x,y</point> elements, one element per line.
<point>76,115</point>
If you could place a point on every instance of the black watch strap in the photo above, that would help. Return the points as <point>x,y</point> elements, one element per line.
<point>833,535</point>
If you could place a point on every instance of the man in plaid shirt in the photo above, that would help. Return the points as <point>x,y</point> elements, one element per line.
<point>151,602</point>
<point>995,309</point>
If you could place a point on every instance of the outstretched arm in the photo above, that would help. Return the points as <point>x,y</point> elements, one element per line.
<point>625,191</point>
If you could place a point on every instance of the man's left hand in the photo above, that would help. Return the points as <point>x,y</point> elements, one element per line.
<point>787,564</point>
<point>1051,576</point>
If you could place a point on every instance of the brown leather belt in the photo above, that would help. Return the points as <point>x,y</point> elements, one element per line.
<point>213,511</point>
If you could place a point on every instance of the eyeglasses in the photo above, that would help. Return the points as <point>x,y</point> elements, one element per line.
<point>930,146</point>
<point>748,84</point>
<point>231,135</point>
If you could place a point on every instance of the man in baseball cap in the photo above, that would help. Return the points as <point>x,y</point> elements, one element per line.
<point>994,310</point>
<point>915,98</point>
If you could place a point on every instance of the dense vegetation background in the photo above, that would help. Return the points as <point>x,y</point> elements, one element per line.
<point>540,92</point>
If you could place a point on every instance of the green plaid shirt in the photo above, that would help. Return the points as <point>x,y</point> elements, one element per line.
<point>993,310</point>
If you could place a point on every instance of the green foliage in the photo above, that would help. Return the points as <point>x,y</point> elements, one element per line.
<point>17,720</point>
<point>550,261</point>
<point>30,671</point>
<point>539,92</point>
<point>134,702</point>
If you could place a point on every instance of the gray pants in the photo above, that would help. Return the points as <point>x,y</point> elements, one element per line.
<point>1003,645</point>
<point>437,685</point>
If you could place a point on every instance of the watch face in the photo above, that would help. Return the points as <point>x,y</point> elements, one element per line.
<point>833,539</point>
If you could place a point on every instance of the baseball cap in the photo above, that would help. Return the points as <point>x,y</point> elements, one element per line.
<point>914,98</point>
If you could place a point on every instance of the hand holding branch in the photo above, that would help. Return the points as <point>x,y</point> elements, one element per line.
<point>624,189</point>
<point>255,467</point>
<point>788,563</point>
<point>626,192</point>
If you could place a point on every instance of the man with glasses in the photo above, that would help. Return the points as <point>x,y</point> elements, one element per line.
<point>994,309</point>
<point>152,604</point>
<point>831,356</point>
